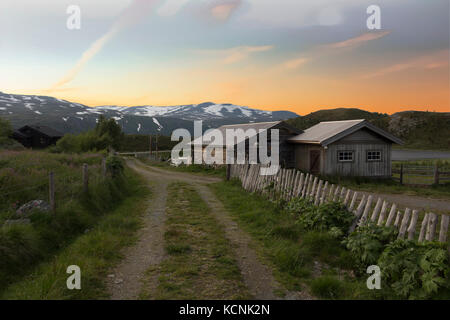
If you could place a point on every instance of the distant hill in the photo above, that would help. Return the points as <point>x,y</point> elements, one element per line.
<point>419,130</point>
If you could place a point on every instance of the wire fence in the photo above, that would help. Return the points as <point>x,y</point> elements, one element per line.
<point>59,185</point>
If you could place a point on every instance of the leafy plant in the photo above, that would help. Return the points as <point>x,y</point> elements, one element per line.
<point>368,242</point>
<point>114,165</point>
<point>325,217</point>
<point>415,270</point>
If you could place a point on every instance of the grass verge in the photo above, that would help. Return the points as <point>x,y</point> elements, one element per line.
<point>94,252</point>
<point>199,263</point>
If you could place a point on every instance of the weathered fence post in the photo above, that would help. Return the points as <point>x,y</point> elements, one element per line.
<point>104,167</point>
<point>436,174</point>
<point>85,178</point>
<point>391,215</point>
<point>352,204</point>
<point>431,229</point>
<point>382,213</point>
<point>228,172</point>
<point>401,173</point>
<point>376,210</point>
<point>444,228</point>
<point>404,223</point>
<point>51,190</point>
<point>423,228</point>
<point>412,225</point>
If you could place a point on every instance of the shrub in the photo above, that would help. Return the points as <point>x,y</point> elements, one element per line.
<point>327,287</point>
<point>415,270</point>
<point>325,217</point>
<point>368,242</point>
<point>5,131</point>
<point>114,165</point>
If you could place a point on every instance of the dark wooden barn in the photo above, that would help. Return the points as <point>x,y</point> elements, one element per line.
<point>37,136</point>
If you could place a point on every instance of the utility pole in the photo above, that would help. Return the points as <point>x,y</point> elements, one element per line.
<point>150,145</point>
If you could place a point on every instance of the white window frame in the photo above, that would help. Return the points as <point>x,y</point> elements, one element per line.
<point>378,159</point>
<point>348,152</point>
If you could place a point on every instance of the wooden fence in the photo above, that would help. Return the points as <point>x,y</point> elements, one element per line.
<point>290,183</point>
<point>152,155</point>
<point>85,181</point>
<point>420,174</point>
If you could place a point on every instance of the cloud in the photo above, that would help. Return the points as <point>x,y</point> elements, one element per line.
<point>236,54</point>
<point>428,62</point>
<point>222,10</point>
<point>171,7</point>
<point>137,10</point>
<point>359,40</point>
<point>295,63</point>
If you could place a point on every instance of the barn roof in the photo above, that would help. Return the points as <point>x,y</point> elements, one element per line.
<point>328,132</point>
<point>52,133</point>
<point>257,126</point>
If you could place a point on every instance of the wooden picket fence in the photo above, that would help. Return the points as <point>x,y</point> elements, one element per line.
<point>290,183</point>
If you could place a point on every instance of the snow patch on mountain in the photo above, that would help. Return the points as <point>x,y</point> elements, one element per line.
<point>155,121</point>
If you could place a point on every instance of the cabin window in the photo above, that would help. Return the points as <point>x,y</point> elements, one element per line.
<point>373,155</point>
<point>345,156</point>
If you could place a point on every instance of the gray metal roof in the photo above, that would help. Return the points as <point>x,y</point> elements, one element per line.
<point>328,132</point>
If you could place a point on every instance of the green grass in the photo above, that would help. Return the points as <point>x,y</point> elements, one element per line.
<point>199,262</point>
<point>293,252</point>
<point>94,252</point>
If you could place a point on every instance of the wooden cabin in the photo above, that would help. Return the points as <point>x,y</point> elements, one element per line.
<point>346,148</point>
<point>286,131</point>
<point>37,136</point>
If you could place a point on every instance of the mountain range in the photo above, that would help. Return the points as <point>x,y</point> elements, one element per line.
<point>71,117</point>
<point>422,130</point>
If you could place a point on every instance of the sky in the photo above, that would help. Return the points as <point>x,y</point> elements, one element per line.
<point>292,55</point>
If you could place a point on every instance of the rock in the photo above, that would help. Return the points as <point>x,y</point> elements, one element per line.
<point>111,275</point>
<point>118,281</point>
<point>27,208</point>
<point>17,221</point>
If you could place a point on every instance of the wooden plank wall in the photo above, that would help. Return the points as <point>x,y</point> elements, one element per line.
<point>290,183</point>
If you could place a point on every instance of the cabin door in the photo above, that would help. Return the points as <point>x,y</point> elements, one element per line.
<point>314,161</point>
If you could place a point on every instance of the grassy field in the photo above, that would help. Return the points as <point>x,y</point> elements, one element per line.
<point>420,185</point>
<point>31,248</point>
<point>199,263</point>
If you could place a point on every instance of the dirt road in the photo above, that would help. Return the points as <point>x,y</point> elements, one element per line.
<point>415,202</point>
<point>125,281</point>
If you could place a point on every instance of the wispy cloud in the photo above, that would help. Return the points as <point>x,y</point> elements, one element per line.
<point>171,7</point>
<point>236,54</point>
<point>359,40</point>
<point>131,15</point>
<point>295,63</point>
<point>223,9</point>
<point>428,62</point>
